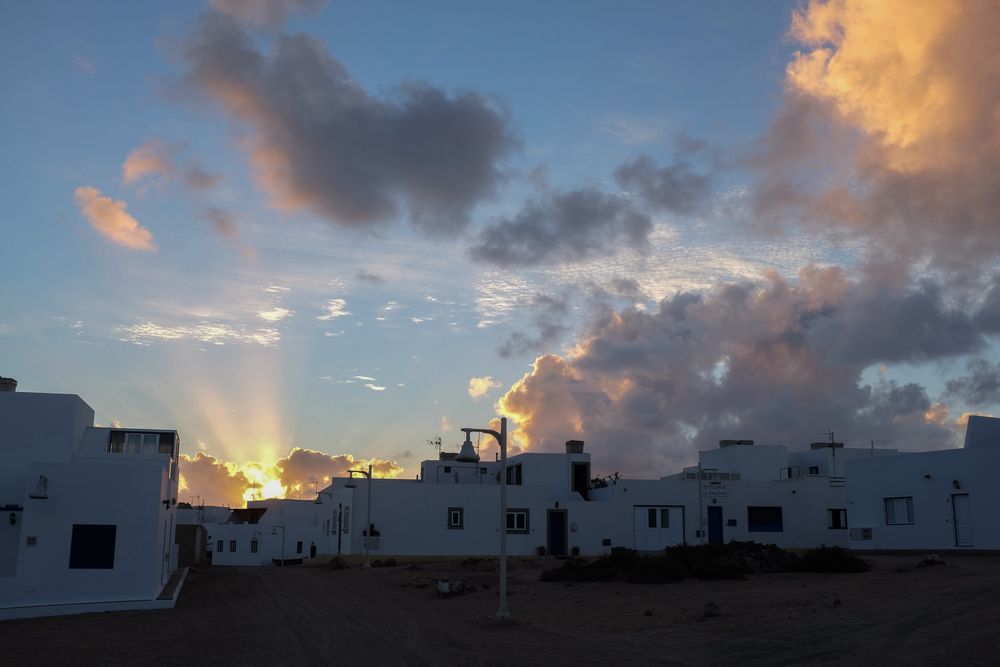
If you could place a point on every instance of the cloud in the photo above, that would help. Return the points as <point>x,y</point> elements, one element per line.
<point>563,226</point>
<point>980,387</point>
<point>269,14</point>
<point>297,475</point>
<point>319,142</point>
<point>891,128</point>
<point>548,314</point>
<point>479,387</point>
<point>374,387</point>
<point>334,308</point>
<point>156,159</point>
<point>368,277</point>
<point>111,220</point>
<point>217,333</point>
<point>274,314</point>
<point>773,360</point>
<point>214,481</point>
<point>676,188</point>
<point>298,471</point>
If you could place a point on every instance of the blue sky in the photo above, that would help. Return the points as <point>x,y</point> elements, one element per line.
<point>256,326</point>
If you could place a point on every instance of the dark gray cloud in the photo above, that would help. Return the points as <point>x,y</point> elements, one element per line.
<point>676,188</point>
<point>564,226</point>
<point>548,315</point>
<point>980,388</point>
<point>366,276</point>
<point>779,362</point>
<point>223,222</point>
<point>319,141</point>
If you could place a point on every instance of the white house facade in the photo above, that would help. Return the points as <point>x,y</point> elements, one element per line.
<point>938,500</point>
<point>88,512</point>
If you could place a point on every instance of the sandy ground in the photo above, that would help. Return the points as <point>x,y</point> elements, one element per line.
<point>897,614</point>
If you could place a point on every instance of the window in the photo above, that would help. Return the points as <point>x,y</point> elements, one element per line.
<point>838,518</point>
<point>764,520</point>
<point>166,444</point>
<point>32,541</point>
<point>298,547</point>
<point>899,511</point>
<point>658,517</point>
<point>447,469</point>
<point>220,546</point>
<point>117,444</point>
<point>232,546</point>
<point>92,546</point>
<point>514,474</point>
<point>253,546</point>
<point>517,521</point>
<point>813,470</point>
<point>455,518</point>
<point>345,523</point>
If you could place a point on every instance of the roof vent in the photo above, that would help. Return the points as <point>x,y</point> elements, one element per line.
<point>8,384</point>
<point>574,446</point>
<point>468,452</point>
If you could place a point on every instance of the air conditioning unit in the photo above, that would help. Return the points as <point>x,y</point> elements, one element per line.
<point>861,534</point>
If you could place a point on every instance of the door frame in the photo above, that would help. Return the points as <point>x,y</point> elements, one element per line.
<point>548,531</point>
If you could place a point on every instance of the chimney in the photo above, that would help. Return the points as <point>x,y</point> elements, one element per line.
<point>8,384</point>
<point>574,446</point>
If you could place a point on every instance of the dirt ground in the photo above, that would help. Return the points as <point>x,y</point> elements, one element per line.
<point>898,614</point>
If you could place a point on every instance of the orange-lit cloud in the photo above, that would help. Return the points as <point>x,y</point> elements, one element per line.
<point>110,219</point>
<point>298,475</point>
<point>891,128</point>
<point>150,159</point>
<point>479,387</point>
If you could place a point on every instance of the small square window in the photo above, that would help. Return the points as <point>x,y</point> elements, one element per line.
<point>92,547</point>
<point>837,518</point>
<point>32,541</point>
<point>813,470</point>
<point>899,511</point>
<point>456,518</point>
<point>517,520</point>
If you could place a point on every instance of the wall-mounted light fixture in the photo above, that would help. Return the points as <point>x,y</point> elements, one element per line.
<point>957,484</point>
<point>13,519</point>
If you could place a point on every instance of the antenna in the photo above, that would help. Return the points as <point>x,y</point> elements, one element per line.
<point>435,443</point>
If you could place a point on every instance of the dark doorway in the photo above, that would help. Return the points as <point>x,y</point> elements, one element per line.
<point>581,478</point>
<point>557,532</point>
<point>715,525</point>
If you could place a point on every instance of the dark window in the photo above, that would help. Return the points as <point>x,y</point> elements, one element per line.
<point>456,518</point>
<point>514,474</point>
<point>298,547</point>
<point>838,518</point>
<point>517,521</point>
<point>664,518</point>
<point>651,518</point>
<point>253,546</point>
<point>447,469</point>
<point>232,546</point>
<point>764,519</point>
<point>219,546</point>
<point>166,444</point>
<point>813,470</point>
<point>92,547</point>
<point>117,444</point>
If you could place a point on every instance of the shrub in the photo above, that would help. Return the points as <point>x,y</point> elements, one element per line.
<point>829,559</point>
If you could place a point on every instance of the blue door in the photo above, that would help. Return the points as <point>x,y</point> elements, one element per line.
<point>557,532</point>
<point>715,525</point>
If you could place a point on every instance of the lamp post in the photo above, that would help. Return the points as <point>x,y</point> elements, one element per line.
<point>368,530</point>
<point>274,531</point>
<point>501,438</point>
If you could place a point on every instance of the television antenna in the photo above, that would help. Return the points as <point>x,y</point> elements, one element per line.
<point>436,444</point>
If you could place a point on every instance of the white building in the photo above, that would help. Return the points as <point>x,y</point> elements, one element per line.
<point>936,500</point>
<point>746,492</point>
<point>88,513</point>
<point>269,532</point>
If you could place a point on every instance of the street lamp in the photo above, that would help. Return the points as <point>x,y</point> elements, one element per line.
<point>501,439</point>
<point>368,530</point>
<point>274,531</point>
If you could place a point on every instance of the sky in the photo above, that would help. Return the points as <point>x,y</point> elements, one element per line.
<point>316,235</point>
